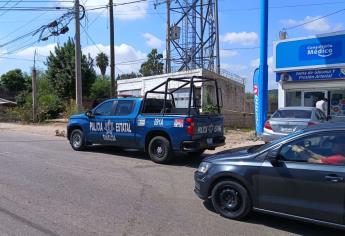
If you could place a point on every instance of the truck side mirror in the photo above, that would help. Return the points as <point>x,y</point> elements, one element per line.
<point>89,114</point>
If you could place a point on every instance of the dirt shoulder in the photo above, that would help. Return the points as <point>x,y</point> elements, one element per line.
<point>41,129</point>
<point>234,138</point>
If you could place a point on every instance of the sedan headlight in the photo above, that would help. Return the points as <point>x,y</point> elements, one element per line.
<point>203,167</point>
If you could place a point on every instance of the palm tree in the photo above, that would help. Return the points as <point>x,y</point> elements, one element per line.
<point>102,61</point>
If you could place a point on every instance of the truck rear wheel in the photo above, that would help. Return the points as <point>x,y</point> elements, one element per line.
<point>159,150</point>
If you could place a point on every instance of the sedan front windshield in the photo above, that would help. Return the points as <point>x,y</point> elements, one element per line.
<point>274,142</point>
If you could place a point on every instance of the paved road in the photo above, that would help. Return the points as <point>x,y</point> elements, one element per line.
<point>48,189</point>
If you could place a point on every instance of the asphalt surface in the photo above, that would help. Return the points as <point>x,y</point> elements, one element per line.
<point>46,188</point>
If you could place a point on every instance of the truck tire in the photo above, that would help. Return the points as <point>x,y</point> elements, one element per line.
<point>231,200</point>
<point>159,150</point>
<point>77,140</point>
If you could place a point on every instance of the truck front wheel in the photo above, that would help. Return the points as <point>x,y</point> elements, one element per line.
<point>77,140</point>
<point>159,150</point>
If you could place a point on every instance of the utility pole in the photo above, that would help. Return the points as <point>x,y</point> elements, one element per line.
<point>168,63</point>
<point>113,92</point>
<point>34,91</point>
<point>217,39</point>
<point>78,80</point>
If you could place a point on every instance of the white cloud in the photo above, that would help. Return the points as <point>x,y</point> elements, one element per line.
<point>41,51</point>
<point>235,68</point>
<point>317,25</point>
<point>124,12</point>
<point>228,53</point>
<point>243,38</point>
<point>127,58</point>
<point>272,84</point>
<point>153,41</point>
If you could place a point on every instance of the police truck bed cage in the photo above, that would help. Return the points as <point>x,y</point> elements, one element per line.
<point>187,81</point>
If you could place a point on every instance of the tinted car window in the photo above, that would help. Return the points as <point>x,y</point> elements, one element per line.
<point>105,109</point>
<point>124,108</point>
<point>325,148</point>
<point>302,114</point>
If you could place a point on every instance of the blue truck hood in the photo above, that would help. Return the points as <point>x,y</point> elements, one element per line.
<point>79,116</point>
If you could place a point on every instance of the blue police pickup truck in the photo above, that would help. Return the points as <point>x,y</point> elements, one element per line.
<point>158,124</point>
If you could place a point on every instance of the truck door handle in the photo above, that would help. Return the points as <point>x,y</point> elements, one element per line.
<point>334,178</point>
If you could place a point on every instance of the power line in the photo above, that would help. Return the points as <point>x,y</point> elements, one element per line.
<point>3,13</point>
<point>33,9</point>
<point>22,26</point>
<point>36,1</point>
<point>316,19</point>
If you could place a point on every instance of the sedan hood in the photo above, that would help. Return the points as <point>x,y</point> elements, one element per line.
<point>231,155</point>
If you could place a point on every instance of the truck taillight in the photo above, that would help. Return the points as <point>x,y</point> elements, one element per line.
<point>190,127</point>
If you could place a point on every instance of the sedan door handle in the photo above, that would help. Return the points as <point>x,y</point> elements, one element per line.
<point>334,178</point>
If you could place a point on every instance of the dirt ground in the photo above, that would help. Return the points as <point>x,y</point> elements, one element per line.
<point>234,138</point>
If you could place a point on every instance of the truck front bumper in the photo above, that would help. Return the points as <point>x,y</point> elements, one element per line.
<point>205,143</point>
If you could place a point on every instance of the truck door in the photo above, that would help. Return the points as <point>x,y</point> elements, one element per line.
<point>101,113</point>
<point>124,123</point>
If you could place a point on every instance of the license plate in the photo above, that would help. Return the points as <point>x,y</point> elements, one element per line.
<point>209,141</point>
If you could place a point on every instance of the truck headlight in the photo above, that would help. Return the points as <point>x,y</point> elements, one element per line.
<point>203,167</point>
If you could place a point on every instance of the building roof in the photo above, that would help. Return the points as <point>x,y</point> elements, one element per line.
<point>6,102</point>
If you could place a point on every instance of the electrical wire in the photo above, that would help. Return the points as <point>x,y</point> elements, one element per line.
<point>316,19</point>
<point>15,4</point>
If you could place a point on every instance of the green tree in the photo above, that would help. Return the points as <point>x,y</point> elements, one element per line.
<point>128,76</point>
<point>15,81</point>
<point>100,88</point>
<point>153,65</point>
<point>61,71</point>
<point>102,61</point>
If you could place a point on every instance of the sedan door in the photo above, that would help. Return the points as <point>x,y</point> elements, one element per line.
<point>293,185</point>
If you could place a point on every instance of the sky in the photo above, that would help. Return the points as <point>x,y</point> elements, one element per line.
<point>140,27</point>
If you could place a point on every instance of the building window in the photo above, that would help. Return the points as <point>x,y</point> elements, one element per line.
<point>293,99</point>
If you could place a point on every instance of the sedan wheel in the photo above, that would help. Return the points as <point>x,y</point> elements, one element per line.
<point>231,200</point>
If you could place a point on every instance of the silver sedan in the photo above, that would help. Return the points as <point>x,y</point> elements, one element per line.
<point>291,119</point>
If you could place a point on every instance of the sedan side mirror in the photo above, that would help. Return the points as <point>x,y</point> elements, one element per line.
<point>273,156</point>
<point>89,114</point>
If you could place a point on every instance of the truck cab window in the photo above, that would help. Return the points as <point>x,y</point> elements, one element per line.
<point>105,109</point>
<point>124,108</point>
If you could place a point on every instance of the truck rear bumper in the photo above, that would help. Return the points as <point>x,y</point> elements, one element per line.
<point>206,143</point>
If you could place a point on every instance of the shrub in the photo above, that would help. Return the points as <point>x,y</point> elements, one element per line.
<point>100,89</point>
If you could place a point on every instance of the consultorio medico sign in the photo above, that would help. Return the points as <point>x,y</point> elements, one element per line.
<point>323,52</point>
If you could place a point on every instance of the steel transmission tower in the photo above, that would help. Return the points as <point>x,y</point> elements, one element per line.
<point>192,35</point>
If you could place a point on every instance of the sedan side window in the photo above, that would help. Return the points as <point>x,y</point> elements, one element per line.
<point>327,148</point>
<point>105,109</point>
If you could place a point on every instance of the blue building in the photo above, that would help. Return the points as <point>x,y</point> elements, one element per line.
<point>308,69</point>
